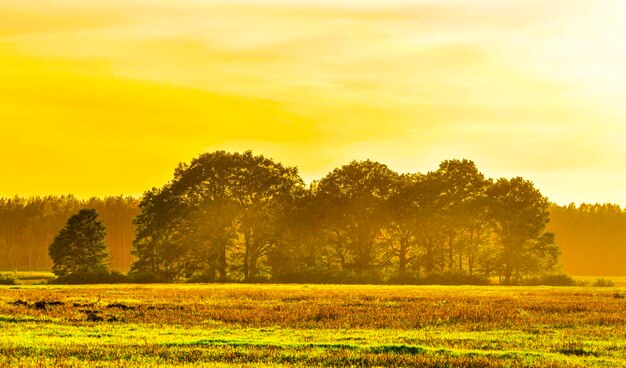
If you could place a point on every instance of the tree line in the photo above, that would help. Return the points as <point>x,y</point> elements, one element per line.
<point>237,216</point>
<point>592,238</point>
<point>361,222</point>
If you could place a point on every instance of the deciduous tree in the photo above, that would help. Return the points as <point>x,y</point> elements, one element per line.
<point>355,201</point>
<point>80,246</point>
<point>520,214</point>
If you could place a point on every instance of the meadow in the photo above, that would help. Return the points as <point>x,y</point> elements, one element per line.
<point>311,325</point>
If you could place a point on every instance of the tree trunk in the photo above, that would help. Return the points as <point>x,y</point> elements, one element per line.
<point>450,252</point>
<point>402,264</point>
<point>429,263</point>
<point>402,258</point>
<point>252,266</point>
<point>221,261</point>
<point>507,274</point>
<point>246,260</point>
<point>245,266</point>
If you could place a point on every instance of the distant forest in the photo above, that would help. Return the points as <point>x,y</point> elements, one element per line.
<point>317,224</point>
<point>592,238</point>
<point>28,225</point>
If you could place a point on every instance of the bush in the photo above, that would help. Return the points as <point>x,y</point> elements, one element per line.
<point>603,283</point>
<point>203,278</point>
<point>96,277</point>
<point>406,279</point>
<point>550,280</point>
<point>453,278</point>
<point>320,276</point>
<point>145,278</point>
<point>307,276</point>
<point>7,280</point>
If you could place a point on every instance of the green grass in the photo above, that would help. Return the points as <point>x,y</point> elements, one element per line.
<point>313,325</point>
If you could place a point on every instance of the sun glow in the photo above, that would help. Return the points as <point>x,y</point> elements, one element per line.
<point>106,98</point>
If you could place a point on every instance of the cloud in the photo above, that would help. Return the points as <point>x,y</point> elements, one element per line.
<point>522,86</point>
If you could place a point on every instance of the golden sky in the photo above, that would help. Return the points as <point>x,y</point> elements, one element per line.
<point>106,97</point>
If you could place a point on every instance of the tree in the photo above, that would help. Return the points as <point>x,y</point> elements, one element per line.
<point>355,201</point>
<point>155,246</point>
<point>462,198</point>
<point>520,214</point>
<point>303,255</point>
<point>416,227</point>
<point>218,207</point>
<point>80,246</point>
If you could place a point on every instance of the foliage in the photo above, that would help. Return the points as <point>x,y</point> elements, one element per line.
<point>28,226</point>
<point>231,216</point>
<point>550,280</point>
<point>600,282</point>
<point>520,215</point>
<point>222,212</point>
<point>145,278</point>
<point>154,248</point>
<point>99,276</point>
<point>79,247</point>
<point>453,278</point>
<point>242,217</point>
<point>7,280</point>
<point>354,202</point>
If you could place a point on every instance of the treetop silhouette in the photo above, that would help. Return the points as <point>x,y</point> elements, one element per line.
<point>239,216</point>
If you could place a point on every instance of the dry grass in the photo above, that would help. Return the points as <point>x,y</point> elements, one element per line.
<point>126,325</point>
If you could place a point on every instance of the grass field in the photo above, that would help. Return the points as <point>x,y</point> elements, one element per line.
<point>309,325</point>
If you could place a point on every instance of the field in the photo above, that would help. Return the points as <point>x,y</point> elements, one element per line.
<point>311,325</point>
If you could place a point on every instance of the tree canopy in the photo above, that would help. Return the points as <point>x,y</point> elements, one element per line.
<point>80,246</point>
<point>238,216</point>
<point>590,236</point>
<point>221,213</point>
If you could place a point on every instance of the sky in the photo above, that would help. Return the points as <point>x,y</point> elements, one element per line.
<point>107,97</point>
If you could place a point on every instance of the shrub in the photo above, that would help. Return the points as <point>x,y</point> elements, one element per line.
<point>95,277</point>
<point>603,283</point>
<point>550,280</point>
<point>453,278</point>
<point>145,278</point>
<point>7,280</point>
<point>406,279</point>
<point>310,276</point>
<point>203,278</point>
<point>320,276</point>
